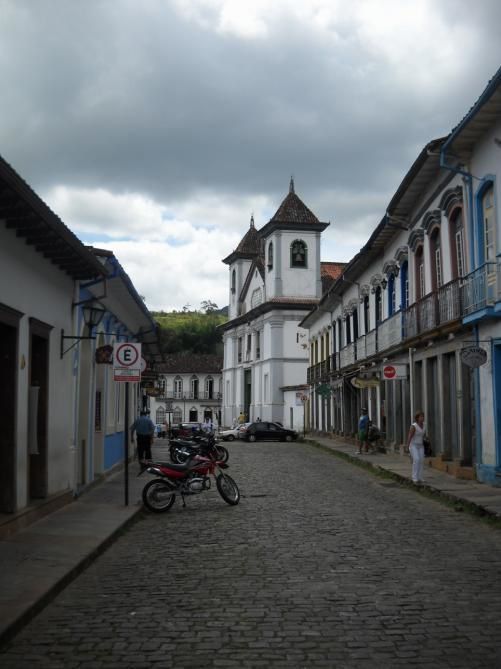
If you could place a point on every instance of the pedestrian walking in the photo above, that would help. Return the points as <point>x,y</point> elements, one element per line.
<point>145,429</point>
<point>416,448</point>
<point>363,432</point>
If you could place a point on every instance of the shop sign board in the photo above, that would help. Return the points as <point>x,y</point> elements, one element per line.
<point>474,356</point>
<point>394,372</point>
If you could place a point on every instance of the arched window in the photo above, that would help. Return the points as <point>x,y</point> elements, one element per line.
<point>160,415</point>
<point>299,254</point>
<point>392,295</point>
<point>419,281</point>
<point>193,415</point>
<point>348,330</point>
<point>194,386</point>
<point>379,305</point>
<point>270,255</point>
<point>177,415</point>
<point>488,244</point>
<point>404,285</point>
<point>233,281</point>
<point>355,324</point>
<point>456,236</point>
<point>178,387</point>
<point>209,388</point>
<point>367,324</point>
<point>436,259</point>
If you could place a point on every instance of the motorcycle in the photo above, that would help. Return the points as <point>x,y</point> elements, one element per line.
<point>181,450</point>
<point>191,478</point>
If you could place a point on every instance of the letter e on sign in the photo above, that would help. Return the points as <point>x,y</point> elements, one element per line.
<point>127,355</point>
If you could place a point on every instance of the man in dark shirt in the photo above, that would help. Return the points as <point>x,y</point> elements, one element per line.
<point>145,429</point>
<point>363,431</point>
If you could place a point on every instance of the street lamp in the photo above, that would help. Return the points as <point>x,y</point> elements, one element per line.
<point>92,313</point>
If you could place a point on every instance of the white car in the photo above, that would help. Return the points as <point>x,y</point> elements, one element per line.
<point>232,434</point>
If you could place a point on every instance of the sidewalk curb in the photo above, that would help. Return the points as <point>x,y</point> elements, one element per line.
<point>16,625</point>
<point>459,504</point>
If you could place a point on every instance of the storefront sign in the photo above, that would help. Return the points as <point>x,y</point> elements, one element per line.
<point>360,382</point>
<point>474,356</point>
<point>393,372</point>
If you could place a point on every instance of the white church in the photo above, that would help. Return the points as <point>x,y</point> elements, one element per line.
<point>275,279</point>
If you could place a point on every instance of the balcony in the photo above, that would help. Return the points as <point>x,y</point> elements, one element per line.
<point>449,302</point>
<point>203,395</point>
<point>389,332</point>
<point>482,288</point>
<point>347,355</point>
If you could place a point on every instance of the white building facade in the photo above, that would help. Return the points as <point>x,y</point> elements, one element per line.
<point>62,415</point>
<point>275,278</point>
<point>188,388</point>
<point>419,297</point>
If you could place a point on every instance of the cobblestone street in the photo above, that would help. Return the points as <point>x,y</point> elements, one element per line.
<point>321,565</point>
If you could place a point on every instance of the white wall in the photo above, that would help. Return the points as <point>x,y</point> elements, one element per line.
<point>34,286</point>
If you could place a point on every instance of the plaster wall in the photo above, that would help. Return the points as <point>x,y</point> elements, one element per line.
<point>34,286</point>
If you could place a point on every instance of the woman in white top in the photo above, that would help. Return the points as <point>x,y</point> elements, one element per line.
<point>416,447</point>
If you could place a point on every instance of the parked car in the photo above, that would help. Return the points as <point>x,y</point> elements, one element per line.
<point>160,430</point>
<point>267,431</point>
<point>184,430</point>
<point>232,433</point>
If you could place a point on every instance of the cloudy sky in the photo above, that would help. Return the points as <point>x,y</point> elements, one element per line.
<point>156,128</point>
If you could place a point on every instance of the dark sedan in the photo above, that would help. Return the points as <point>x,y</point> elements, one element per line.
<point>267,432</point>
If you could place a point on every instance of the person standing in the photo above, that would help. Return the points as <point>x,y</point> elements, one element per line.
<point>145,429</point>
<point>241,418</point>
<point>363,432</point>
<point>416,447</point>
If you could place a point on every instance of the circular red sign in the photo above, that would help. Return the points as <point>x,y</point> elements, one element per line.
<point>389,372</point>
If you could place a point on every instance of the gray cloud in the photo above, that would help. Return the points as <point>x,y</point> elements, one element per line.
<point>140,98</point>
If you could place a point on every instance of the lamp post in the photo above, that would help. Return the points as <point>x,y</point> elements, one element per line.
<point>92,313</point>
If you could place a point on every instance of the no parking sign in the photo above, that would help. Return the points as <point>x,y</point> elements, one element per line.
<point>127,362</point>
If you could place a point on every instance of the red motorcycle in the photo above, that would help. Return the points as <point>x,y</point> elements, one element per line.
<point>190,478</point>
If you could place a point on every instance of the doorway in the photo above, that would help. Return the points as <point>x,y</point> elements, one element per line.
<point>247,392</point>
<point>38,409</point>
<point>8,392</point>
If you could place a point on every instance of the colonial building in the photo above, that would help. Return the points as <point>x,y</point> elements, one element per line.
<point>188,389</point>
<point>62,416</point>
<point>406,319</point>
<point>275,278</point>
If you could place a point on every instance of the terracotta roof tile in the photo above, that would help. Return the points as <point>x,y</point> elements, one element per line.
<point>191,363</point>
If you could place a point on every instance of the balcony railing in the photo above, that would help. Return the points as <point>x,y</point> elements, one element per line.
<point>421,316</point>
<point>361,347</point>
<point>371,343</point>
<point>347,355</point>
<point>389,332</point>
<point>203,395</point>
<point>449,301</point>
<point>481,288</point>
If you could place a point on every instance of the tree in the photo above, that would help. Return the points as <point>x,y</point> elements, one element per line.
<point>208,306</point>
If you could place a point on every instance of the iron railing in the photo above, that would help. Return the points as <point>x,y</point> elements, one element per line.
<point>481,288</point>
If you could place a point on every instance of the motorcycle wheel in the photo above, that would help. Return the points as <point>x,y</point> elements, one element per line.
<point>158,496</point>
<point>228,489</point>
<point>222,453</point>
<point>173,454</point>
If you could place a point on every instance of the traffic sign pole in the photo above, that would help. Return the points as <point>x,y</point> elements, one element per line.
<point>126,445</point>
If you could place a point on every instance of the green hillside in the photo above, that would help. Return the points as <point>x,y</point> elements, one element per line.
<point>190,331</point>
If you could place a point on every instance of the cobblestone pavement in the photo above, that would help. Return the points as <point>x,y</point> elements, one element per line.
<point>321,565</point>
